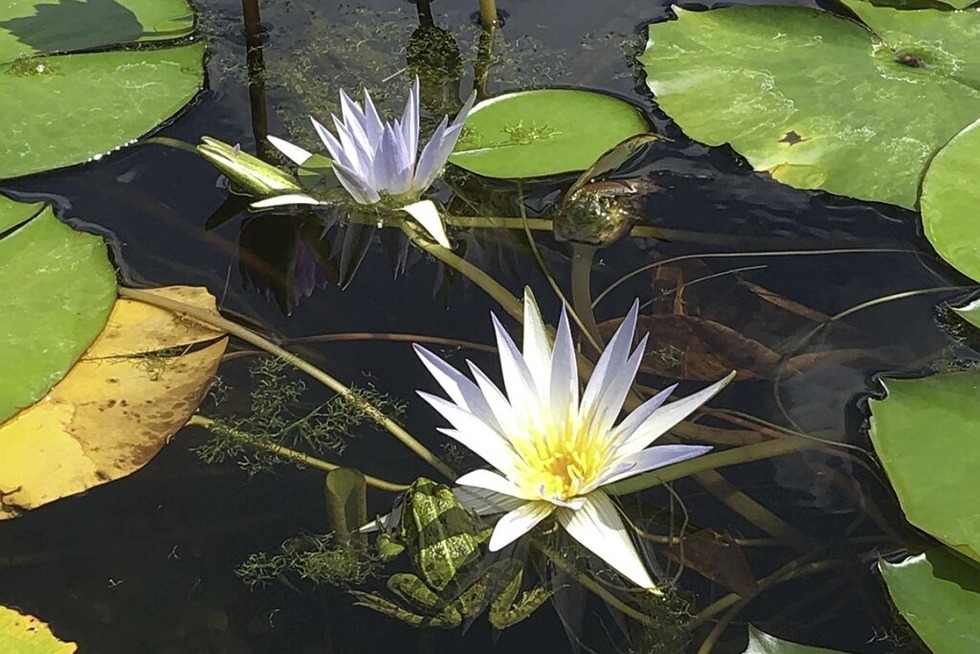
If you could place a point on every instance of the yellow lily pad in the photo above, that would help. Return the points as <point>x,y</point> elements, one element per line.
<point>119,404</point>
<point>25,634</point>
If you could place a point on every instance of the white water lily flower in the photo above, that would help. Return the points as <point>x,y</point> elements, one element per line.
<point>376,161</point>
<point>553,449</point>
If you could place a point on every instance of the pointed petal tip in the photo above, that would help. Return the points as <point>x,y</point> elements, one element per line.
<point>427,215</point>
<point>291,151</point>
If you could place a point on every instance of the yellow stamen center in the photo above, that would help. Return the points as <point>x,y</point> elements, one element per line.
<point>560,461</point>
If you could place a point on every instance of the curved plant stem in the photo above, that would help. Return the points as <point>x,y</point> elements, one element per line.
<point>293,455</point>
<point>491,286</point>
<point>777,381</point>
<point>582,259</point>
<point>732,604</point>
<point>539,259</point>
<point>659,233</point>
<point>593,586</point>
<point>741,255</point>
<point>213,319</point>
<point>391,337</point>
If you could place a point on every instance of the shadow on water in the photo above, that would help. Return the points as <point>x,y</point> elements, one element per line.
<point>805,294</point>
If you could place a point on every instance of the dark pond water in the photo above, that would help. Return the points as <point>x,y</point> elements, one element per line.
<point>148,563</point>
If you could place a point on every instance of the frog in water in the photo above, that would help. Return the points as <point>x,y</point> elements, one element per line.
<point>444,542</point>
<point>598,209</point>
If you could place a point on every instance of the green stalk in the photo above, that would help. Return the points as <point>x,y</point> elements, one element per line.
<point>488,14</point>
<point>491,286</point>
<point>293,455</point>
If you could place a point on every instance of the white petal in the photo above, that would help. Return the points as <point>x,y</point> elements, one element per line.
<point>410,120</point>
<point>501,407</point>
<point>355,122</point>
<point>652,458</point>
<point>426,214</point>
<point>667,416</point>
<point>372,121</point>
<point>517,377</point>
<point>599,528</point>
<point>518,522</point>
<point>282,200</point>
<point>564,373</point>
<point>464,111</point>
<point>537,348</point>
<point>361,158</point>
<point>460,389</point>
<point>334,147</point>
<point>432,159</point>
<point>489,480</point>
<point>485,502</point>
<point>359,188</point>
<point>292,152</point>
<point>639,415</point>
<point>609,404</point>
<point>610,364</point>
<point>475,434</point>
<point>392,164</point>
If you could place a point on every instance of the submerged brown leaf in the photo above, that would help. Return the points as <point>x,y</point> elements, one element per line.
<point>687,347</point>
<point>718,558</point>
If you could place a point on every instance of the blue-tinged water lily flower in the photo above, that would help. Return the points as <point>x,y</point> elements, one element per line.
<point>553,449</point>
<point>379,161</point>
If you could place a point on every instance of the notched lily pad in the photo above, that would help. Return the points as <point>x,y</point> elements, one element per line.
<point>861,119</point>
<point>51,312</point>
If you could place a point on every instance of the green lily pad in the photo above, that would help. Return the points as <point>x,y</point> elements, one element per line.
<point>862,118</point>
<point>949,202</point>
<point>62,107</point>
<point>927,435</point>
<point>939,594</point>
<point>14,213</point>
<point>762,643</point>
<point>25,634</point>
<point>58,290</point>
<point>543,132</point>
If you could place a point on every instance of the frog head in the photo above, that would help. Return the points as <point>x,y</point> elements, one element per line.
<point>441,536</point>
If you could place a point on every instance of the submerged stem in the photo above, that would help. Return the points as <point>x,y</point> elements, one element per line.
<point>493,288</point>
<point>293,455</point>
<point>372,412</point>
<point>593,586</point>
